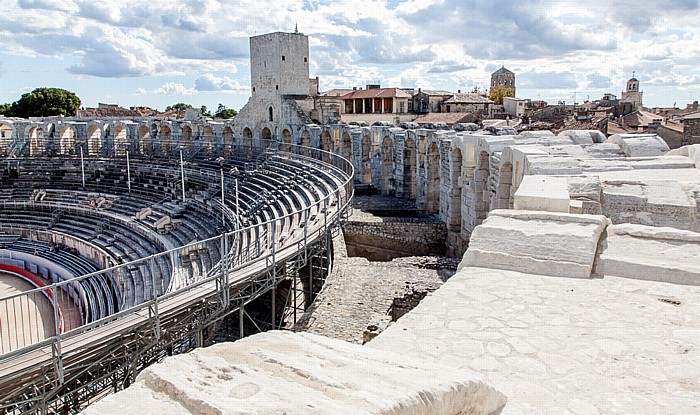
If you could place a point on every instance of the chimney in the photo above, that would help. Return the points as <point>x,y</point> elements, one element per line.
<point>354,88</point>
<point>459,91</point>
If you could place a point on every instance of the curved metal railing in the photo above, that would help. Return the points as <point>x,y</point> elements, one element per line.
<point>196,270</point>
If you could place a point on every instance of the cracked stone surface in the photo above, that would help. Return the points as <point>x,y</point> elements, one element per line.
<point>558,345</point>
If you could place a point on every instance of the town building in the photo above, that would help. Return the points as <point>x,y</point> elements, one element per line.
<point>503,77</point>
<point>633,94</point>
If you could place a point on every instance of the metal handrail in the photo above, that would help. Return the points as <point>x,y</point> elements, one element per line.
<point>341,194</point>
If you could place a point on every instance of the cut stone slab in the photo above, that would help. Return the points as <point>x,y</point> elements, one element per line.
<point>672,255</point>
<point>300,373</point>
<point>544,193</point>
<point>544,243</point>
<point>640,145</point>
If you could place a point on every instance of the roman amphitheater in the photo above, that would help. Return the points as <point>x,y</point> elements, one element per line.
<point>126,243</point>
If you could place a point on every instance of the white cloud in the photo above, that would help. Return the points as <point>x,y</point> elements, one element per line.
<point>210,82</point>
<point>173,88</point>
<point>445,44</point>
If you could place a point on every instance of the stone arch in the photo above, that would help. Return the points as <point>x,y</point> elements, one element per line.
<point>6,137</point>
<point>120,140</point>
<point>66,140</point>
<point>286,140</point>
<point>207,141</point>
<point>186,141</point>
<point>166,136</point>
<point>482,192</point>
<point>248,142</point>
<point>454,212</point>
<point>504,199</point>
<point>228,140</point>
<point>266,137</point>
<point>387,185</point>
<point>409,169</point>
<point>306,142</point>
<point>94,139</point>
<point>326,145</point>
<point>144,136</point>
<point>37,142</point>
<point>432,182</point>
<point>366,167</point>
<point>346,147</point>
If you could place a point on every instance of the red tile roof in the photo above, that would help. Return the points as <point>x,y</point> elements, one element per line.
<point>376,93</point>
<point>446,117</point>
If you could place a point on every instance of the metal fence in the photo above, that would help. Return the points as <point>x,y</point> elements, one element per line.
<point>82,304</point>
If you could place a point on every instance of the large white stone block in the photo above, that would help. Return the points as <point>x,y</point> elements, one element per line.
<point>555,244</point>
<point>640,145</point>
<point>545,193</point>
<point>300,373</point>
<point>651,253</point>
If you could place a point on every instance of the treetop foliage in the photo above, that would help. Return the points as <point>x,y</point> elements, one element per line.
<point>499,92</point>
<point>43,102</point>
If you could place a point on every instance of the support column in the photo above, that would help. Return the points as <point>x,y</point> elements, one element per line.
<point>241,314</point>
<point>274,305</point>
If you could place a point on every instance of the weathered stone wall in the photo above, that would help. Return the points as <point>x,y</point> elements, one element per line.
<point>384,241</point>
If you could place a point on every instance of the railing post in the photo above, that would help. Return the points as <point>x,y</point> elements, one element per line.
<point>155,306</point>
<point>56,345</point>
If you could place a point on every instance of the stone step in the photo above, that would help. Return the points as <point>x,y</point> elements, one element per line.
<point>672,255</point>
<point>545,243</point>
<point>300,373</point>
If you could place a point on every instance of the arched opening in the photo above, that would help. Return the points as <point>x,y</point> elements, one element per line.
<point>186,142</point>
<point>144,140</point>
<point>94,139</point>
<point>482,194</point>
<point>207,141</point>
<point>248,142</point>
<point>454,213</point>
<point>387,185</point>
<point>326,145</point>
<point>504,199</point>
<point>336,142</point>
<point>366,160</point>
<point>266,137</point>
<point>432,197</point>
<point>66,141</point>
<point>306,142</point>
<point>228,140</point>
<point>37,144</point>
<point>120,140</point>
<point>346,144</point>
<point>409,169</point>
<point>5,138</point>
<point>269,114</point>
<point>165,140</point>
<point>286,140</point>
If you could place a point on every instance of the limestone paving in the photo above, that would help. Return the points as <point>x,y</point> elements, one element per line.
<point>557,345</point>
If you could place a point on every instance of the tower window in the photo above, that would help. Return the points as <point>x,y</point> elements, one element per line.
<point>269,110</point>
<point>305,60</point>
<point>253,89</point>
<point>282,57</point>
<point>277,87</point>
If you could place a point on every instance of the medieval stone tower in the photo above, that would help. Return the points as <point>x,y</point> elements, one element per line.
<point>503,77</point>
<point>633,94</point>
<point>280,86</point>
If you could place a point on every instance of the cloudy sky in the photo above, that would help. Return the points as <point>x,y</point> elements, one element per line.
<point>160,52</point>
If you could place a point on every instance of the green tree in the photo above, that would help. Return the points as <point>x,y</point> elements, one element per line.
<point>180,106</point>
<point>6,110</point>
<point>475,90</point>
<point>225,113</point>
<point>499,92</point>
<point>205,111</point>
<point>43,102</point>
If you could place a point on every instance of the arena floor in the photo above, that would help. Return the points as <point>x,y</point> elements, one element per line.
<point>23,320</point>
